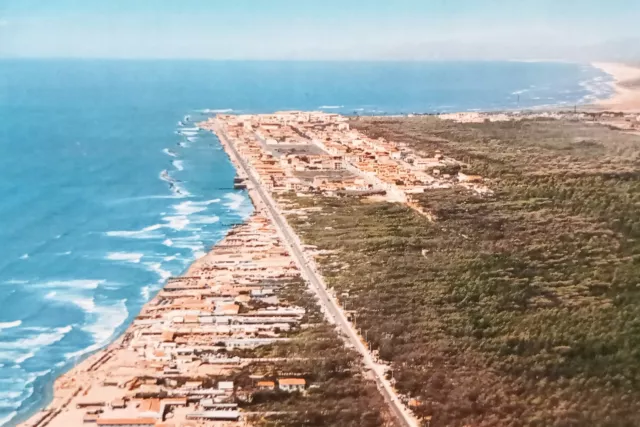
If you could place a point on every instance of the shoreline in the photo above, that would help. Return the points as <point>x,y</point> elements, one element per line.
<point>111,386</point>
<point>54,398</point>
<point>626,99</point>
<point>58,396</point>
<point>626,84</point>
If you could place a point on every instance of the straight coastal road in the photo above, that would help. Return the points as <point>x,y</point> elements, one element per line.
<point>330,305</point>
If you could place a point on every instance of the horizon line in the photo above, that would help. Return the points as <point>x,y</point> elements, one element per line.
<point>416,60</point>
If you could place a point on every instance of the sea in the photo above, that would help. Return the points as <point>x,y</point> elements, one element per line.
<point>107,188</point>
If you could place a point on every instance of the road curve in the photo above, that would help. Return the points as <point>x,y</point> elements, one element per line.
<point>331,306</point>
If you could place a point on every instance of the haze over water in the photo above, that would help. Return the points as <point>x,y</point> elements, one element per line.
<point>104,194</point>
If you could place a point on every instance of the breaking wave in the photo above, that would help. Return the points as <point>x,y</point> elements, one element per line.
<point>125,256</point>
<point>9,325</point>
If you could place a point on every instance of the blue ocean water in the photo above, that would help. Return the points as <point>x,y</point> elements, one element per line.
<point>104,194</point>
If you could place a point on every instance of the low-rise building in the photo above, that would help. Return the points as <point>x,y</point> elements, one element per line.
<point>292,384</point>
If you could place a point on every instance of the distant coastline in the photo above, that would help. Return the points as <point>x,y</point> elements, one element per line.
<point>626,84</point>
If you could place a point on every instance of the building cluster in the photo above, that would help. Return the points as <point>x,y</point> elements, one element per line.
<point>318,152</point>
<point>623,121</point>
<point>176,364</point>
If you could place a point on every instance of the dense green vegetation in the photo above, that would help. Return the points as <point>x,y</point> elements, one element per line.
<point>338,394</point>
<point>519,309</point>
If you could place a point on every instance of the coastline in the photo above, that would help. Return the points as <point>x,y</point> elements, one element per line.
<point>626,83</point>
<point>138,378</point>
<point>58,395</point>
<point>256,200</point>
<point>69,384</point>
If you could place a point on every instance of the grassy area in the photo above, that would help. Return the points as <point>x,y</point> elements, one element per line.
<point>521,309</point>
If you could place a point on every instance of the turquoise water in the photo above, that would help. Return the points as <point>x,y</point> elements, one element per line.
<point>104,194</point>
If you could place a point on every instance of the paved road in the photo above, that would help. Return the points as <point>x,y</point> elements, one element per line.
<point>330,304</point>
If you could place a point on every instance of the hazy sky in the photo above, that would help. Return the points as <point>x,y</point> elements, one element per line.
<point>332,29</point>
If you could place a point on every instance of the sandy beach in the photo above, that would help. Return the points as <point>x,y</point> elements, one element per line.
<point>626,84</point>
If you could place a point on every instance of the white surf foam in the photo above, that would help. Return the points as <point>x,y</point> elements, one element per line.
<point>107,319</point>
<point>193,243</point>
<point>239,203</point>
<point>9,395</point>
<point>178,222</point>
<point>5,420</point>
<point>190,207</point>
<point>133,257</point>
<point>9,325</point>
<point>220,110</point>
<point>139,198</point>
<point>169,152</point>
<point>25,256</point>
<point>205,219</point>
<point>25,357</point>
<point>598,88</point>
<point>178,164</point>
<point>104,320</point>
<point>168,242</point>
<point>330,107</point>
<point>145,233</point>
<point>39,341</point>
<point>16,282</point>
<point>145,293</point>
<point>164,176</point>
<point>184,211</point>
<point>192,138</point>
<point>70,284</point>
<point>87,304</point>
<point>234,200</point>
<point>156,267</point>
<point>186,132</point>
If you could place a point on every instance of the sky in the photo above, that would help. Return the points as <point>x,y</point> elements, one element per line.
<point>321,29</point>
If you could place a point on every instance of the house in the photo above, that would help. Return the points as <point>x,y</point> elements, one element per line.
<point>90,418</point>
<point>118,404</point>
<point>159,355</point>
<point>168,336</point>
<point>225,385</point>
<point>193,385</point>
<point>266,385</point>
<point>292,384</point>
<point>220,415</point>
<point>151,408</point>
<point>462,177</point>
<point>228,309</point>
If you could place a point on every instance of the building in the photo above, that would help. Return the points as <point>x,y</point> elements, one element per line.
<point>266,385</point>
<point>225,385</point>
<point>292,384</point>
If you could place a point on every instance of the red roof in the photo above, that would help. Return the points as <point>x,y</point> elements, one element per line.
<point>292,381</point>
